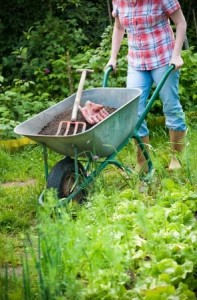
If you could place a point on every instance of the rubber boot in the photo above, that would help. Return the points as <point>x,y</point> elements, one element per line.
<point>177,145</point>
<point>141,161</point>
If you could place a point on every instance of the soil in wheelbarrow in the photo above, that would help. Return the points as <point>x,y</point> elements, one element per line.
<point>52,127</point>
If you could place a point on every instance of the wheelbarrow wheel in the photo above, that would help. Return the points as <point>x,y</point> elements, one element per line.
<point>62,179</point>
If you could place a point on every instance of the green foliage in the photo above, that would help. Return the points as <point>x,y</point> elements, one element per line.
<point>16,106</point>
<point>113,249</point>
<point>188,80</point>
<point>189,10</point>
<point>91,16</point>
<point>13,23</point>
<point>42,45</point>
<point>62,28</point>
<point>121,244</point>
<point>97,59</point>
<point>16,17</point>
<point>44,70</point>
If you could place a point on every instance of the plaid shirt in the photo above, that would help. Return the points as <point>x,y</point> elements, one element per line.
<point>150,36</point>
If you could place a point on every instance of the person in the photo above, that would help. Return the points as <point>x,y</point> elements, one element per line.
<point>152,47</point>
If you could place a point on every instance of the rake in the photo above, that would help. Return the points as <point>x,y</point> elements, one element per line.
<point>75,126</point>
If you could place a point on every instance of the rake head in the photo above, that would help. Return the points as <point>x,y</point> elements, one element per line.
<point>70,128</point>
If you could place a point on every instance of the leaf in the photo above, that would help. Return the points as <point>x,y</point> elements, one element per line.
<point>167,266</point>
<point>160,293</point>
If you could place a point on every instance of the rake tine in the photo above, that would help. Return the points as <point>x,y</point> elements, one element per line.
<point>67,128</point>
<point>83,127</point>
<point>76,128</point>
<point>59,128</point>
<point>68,124</point>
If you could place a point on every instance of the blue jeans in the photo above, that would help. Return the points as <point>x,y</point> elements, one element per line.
<point>172,109</point>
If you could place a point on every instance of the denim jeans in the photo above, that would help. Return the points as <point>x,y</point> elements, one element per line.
<point>172,109</point>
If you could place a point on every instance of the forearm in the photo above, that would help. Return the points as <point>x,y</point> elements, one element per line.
<point>117,37</point>
<point>181,27</point>
<point>180,23</point>
<point>180,38</point>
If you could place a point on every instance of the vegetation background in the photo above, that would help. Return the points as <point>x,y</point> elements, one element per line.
<point>110,248</point>
<point>42,45</point>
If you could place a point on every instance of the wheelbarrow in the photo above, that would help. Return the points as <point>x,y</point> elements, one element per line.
<point>88,153</point>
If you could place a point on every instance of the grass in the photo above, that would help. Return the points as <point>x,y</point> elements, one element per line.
<point>89,237</point>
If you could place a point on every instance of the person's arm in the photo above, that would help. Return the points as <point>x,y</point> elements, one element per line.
<point>179,20</point>
<point>117,37</point>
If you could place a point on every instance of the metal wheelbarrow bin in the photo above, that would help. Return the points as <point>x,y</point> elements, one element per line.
<point>88,153</point>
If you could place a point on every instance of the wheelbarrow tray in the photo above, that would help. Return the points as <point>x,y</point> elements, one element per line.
<point>103,138</point>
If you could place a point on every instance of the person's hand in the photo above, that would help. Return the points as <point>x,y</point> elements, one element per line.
<point>113,63</point>
<point>93,113</point>
<point>177,61</point>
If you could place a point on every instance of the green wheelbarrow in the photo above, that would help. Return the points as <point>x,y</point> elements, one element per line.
<point>87,153</point>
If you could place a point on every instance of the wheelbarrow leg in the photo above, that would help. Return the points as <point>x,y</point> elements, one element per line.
<point>45,156</point>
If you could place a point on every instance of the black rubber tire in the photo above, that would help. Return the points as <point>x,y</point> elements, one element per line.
<point>62,178</point>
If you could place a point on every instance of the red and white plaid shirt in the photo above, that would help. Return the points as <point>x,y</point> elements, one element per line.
<point>150,36</point>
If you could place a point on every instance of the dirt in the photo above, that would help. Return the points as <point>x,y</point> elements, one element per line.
<point>18,183</point>
<point>52,127</point>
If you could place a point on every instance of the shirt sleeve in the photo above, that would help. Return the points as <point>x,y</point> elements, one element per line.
<point>114,8</point>
<point>170,6</point>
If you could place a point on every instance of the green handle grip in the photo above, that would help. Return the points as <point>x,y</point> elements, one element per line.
<point>106,76</point>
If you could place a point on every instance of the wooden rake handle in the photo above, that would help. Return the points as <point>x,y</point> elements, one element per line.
<point>79,92</point>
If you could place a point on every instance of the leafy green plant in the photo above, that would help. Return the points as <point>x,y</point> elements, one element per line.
<point>114,247</point>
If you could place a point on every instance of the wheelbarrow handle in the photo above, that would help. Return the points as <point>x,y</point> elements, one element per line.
<point>108,70</point>
<point>154,96</point>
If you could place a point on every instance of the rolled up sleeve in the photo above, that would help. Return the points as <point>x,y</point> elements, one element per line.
<point>170,6</point>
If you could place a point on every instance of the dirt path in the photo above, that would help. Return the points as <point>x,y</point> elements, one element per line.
<point>18,183</point>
